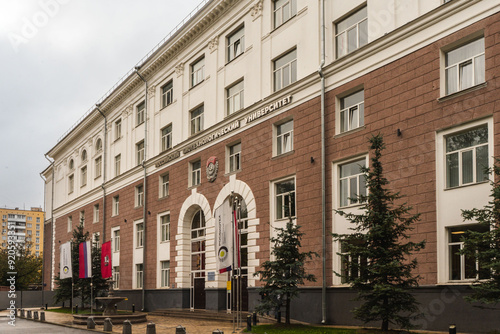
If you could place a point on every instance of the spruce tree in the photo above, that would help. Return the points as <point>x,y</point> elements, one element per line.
<point>484,247</point>
<point>380,250</point>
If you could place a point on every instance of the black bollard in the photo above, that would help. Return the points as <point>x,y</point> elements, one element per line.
<point>279,316</point>
<point>180,330</point>
<point>254,318</point>
<point>76,309</point>
<point>42,316</point>
<point>116,307</point>
<point>127,327</point>
<point>249,323</point>
<point>151,328</point>
<point>46,307</point>
<point>453,329</point>
<point>63,305</point>
<point>133,308</point>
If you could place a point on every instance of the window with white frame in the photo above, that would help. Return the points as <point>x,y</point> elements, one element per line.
<point>82,217</point>
<point>118,161</point>
<point>463,267</point>
<point>195,168</point>
<point>351,33</point>
<point>139,235</point>
<point>352,265</point>
<point>284,137</point>
<point>38,225</point>
<point>139,271</point>
<point>71,183</point>
<point>284,199</point>
<point>116,205</point>
<point>139,195</point>
<point>96,238</point>
<point>165,274</point>
<point>30,218</point>
<point>37,247</point>
<point>140,112</point>
<point>197,71</point>
<point>37,233</point>
<point>235,44</point>
<point>352,182</point>
<point>197,120</point>
<point>164,185</point>
<point>165,227</point>
<point>235,95</point>
<point>464,66</point>
<point>167,94</point>
<point>285,70</point>
<point>118,129</point>
<point>139,152</point>
<point>96,213</point>
<point>29,232</point>
<point>37,240</point>
<point>116,277</point>
<point>116,240</point>
<point>467,157</point>
<point>352,111</point>
<point>29,225</point>
<point>284,10</point>
<point>166,138</point>
<point>234,157</point>
<point>83,176</point>
<point>98,166</point>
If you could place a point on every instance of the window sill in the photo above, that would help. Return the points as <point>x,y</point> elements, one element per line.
<point>346,133</point>
<point>236,57</point>
<point>462,92</point>
<point>138,125</point>
<point>165,242</point>
<point>283,155</point>
<point>466,185</point>
<point>164,197</point>
<point>194,186</point>
<point>232,172</point>
<point>197,84</point>
<point>351,206</point>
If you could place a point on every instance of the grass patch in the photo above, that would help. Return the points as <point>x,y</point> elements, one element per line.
<point>300,329</point>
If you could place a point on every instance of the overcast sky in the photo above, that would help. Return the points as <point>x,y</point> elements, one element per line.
<point>57,59</point>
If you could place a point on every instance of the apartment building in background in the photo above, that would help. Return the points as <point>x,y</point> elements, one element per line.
<point>27,226</point>
<point>274,102</point>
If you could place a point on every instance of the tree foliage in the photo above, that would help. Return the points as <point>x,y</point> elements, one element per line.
<point>380,236</point>
<point>283,275</point>
<point>24,262</point>
<point>484,247</point>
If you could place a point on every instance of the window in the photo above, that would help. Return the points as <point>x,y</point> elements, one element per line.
<point>198,72</point>
<point>284,10</point>
<point>196,173</point>
<point>30,218</point>
<point>118,160</point>
<point>118,129</point>
<point>139,235</point>
<point>235,44</point>
<point>29,225</point>
<point>352,182</point>
<point>467,157</point>
<point>352,111</point>
<point>284,137</point>
<point>139,195</point>
<point>116,277</point>
<point>37,240</point>
<point>116,240</point>
<point>98,145</point>
<point>71,164</point>
<point>465,66</point>
<point>37,225</point>
<point>167,94</point>
<point>37,247</point>
<point>165,228</point>
<point>116,205</point>
<point>235,157</point>
<point>37,233</point>
<point>29,232</point>
<point>351,33</point>
<point>84,176</point>
<point>98,167</point>
<point>139,148</point>
<point>235,98</point>
<point>95,238</point>
<point>285,70</point>
<point>463,267</point>
<point>164,185</point>
<point>71,183</point>
<point>352,265</point>
<point>197,120</point>
<point>140,111</point>
<point>139,268</point>
<point>285,199</point>
<point>165,274</point>
<point>198,244</point>
<point>82,217</point>
<point>37,254</point>
<point>166,138</point>
<point>96,213</point>
<point>84,155</point>
<point>70,224</point>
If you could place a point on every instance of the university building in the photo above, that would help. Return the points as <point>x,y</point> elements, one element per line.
<point>272,103</point>
<point>25,227</point>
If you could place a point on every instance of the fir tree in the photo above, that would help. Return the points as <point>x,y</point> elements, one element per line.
<point>27,265</point>
<point>379,250</point>
<point>285,273</point>
<point>485,246</point>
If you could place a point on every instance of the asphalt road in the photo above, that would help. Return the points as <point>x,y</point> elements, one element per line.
<point>23,326</point>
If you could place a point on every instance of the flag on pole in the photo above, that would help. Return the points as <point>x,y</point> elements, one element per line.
<point>85,260</point>
<point>106,260</point>
<point>223,237</point>
<point>236,241</point>
<point>66,270</point>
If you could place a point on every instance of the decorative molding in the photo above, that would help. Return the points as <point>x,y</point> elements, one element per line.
<point>152,91</point>
<point>179,69</point>
<point>128,110</point>
<point>213,44</point>
<point>256,10</point>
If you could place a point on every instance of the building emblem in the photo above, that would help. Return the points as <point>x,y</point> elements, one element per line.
<point>106,260</point>
<point>66,269</point>
<point>212,168</point>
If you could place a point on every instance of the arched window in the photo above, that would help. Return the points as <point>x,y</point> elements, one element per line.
<point>84,155</point>
<point>98,145</point>
<point>198,244</point>
<point>71,164</point>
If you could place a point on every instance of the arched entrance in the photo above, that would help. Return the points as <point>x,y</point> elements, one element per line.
<point>198,259</point>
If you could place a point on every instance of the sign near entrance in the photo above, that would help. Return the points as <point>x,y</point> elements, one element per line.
<point>223,237</point>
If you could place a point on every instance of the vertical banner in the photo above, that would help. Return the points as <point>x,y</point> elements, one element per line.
<point>85,260</point>
<point>66,269</point>
<point>236,240</point>
<point>106,260</point>
<point>223,237</point>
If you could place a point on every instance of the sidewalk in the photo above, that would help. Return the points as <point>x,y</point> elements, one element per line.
<point>164,324</point>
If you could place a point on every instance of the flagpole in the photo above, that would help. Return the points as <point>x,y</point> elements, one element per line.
<point>91,274</point>
<point>72,282</point>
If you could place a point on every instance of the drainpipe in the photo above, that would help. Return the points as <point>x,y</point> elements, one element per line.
<point>144,211</point>
<point>53,225</point>
<point>323,165</point>
<point>43,257</point>
<point>103,185</point>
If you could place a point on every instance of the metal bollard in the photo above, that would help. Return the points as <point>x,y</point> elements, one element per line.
<point>180,330</point>
<point>249,323</point>
<point>133,308</point>
<point>151,328</point>
<point>46,306</point>
<point>90,323</point>
<point>35,315</point>
<point>453,329</point>
<point>108,326</point>
<point>254,318</point>
<point>42,316</point>
<point>127,327</point>
<point>76,309</point>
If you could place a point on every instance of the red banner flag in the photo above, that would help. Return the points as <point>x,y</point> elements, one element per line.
<point>106,260</point>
